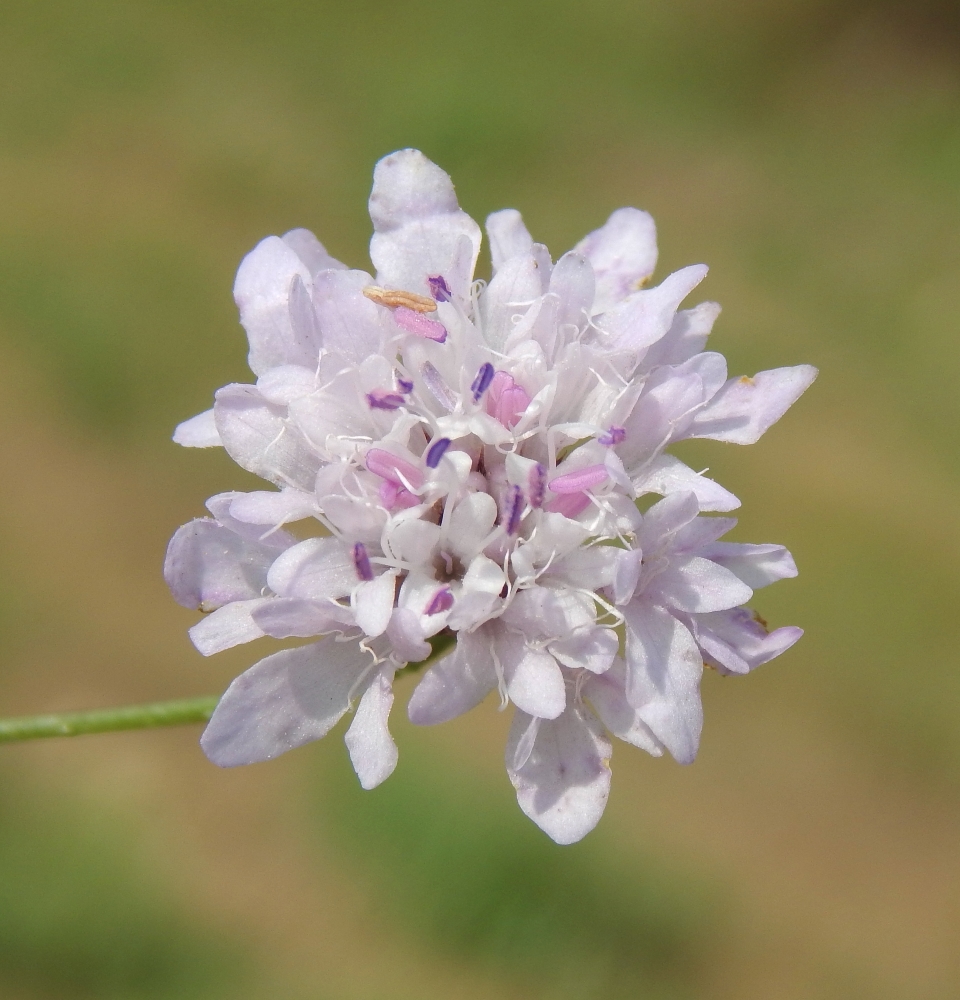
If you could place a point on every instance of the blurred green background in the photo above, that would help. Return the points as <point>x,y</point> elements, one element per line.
<point>810,153</point>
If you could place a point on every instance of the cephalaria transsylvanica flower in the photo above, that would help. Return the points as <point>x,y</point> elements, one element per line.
<point>470,457</point>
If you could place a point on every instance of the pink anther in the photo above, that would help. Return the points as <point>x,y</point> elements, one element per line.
<point>580,480</point>
<point>505,400</point>
<point>415,322</point>
<point>395,470</point>
<point>568,504</point>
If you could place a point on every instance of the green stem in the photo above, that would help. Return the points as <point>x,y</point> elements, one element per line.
<point>108,720</point>
<point>160,713</point>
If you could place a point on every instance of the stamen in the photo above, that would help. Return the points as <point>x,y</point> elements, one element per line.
<point>380,399</point>
<point>436,451</point>
<point>582,479</point>
<point>361,562</point>
<point>438,388</point>
<point>415,322</point>
<point>441,601</point>
<point>392,298</point>
<point>404,385</point>
<point>613,436</point>
<point>439,288</point>
<point>513,508</point>
<point>537,485</point>
<point>482,382</point>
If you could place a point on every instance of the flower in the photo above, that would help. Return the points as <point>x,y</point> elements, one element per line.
<point>472,455</point>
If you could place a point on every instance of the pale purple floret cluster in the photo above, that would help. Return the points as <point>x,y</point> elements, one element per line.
<point>470,457</point>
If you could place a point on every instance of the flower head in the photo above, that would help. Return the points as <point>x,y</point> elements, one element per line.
<point>470,456</point>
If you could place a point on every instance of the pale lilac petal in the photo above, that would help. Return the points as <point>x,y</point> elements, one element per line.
<point>664,667</point>
<point>259,438</point>
<point>353,327</point>
<point>606,695</point>
<point>745,407</point>
<point>590,648</point>
<point>275,540</point>
<point>701,532</point>
<point>262,293</point>
<point>508,237</point>
<point>736,642</point>
<point>317,568</point>
<point>644,317</point>
<point>686,337</point>
<point>198,432</point>
<point>695,584</point>
<point>373,752</point>
<point>666,475</point>
<point>512,291</point>
<point>284,384</point>
<point>263,507</point>
<point>418,226</point>
<point>661,413</point>
<point>226,627</point>
<point>534,681</point>
<point>623,253</point>
<point>573,282</point>
<point>373,603</point>
<point>208,565</point>
<point>564,784</point>
<point>757,565</point>
<point>285,617</point>
<point>665,518</point>
<point>311,251</point>
<point>284,701</point>
<point>406,636</point>
<point>456,683</point>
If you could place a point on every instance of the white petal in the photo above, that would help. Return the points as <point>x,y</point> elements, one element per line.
<point>373,752</point>
<point>534,681</point>
<point>665,518</point>
<point>573,282</point>
<point>508,236</point>
<point>511,292</point>
<point>471,522</point>
<point>745,407</point>
<point>353,326</point>
<point>284,384</point>
<point>228,626</point>
<point>686,337</point>
<point>456,683</point>
<point>284,701</point>
<point>564,784</point>
<point>623,253</point>
<point>406,636</point>
<point>263,507</point>
<point>664,667</point>
<point>662,412</point>
<point>419,229</point>
<point>373,603</point>
<point>198,432</point>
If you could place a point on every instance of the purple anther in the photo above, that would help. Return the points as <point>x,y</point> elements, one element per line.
<point>513,508</point>
<point>482,382</point>
<point>404,385</point>
<point>436,451</point>
<point>537,485</point>
<point>441,601</point>
<point>612,436</point>
<point>439,288</point>
<point>395,470</point>
<point>438,388</point>
<point>582,479</point>
<point>361,562</point>
<point>568,504</point>
<point>415,322</point>
<point>506,401</point>
<point>380,399</point>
